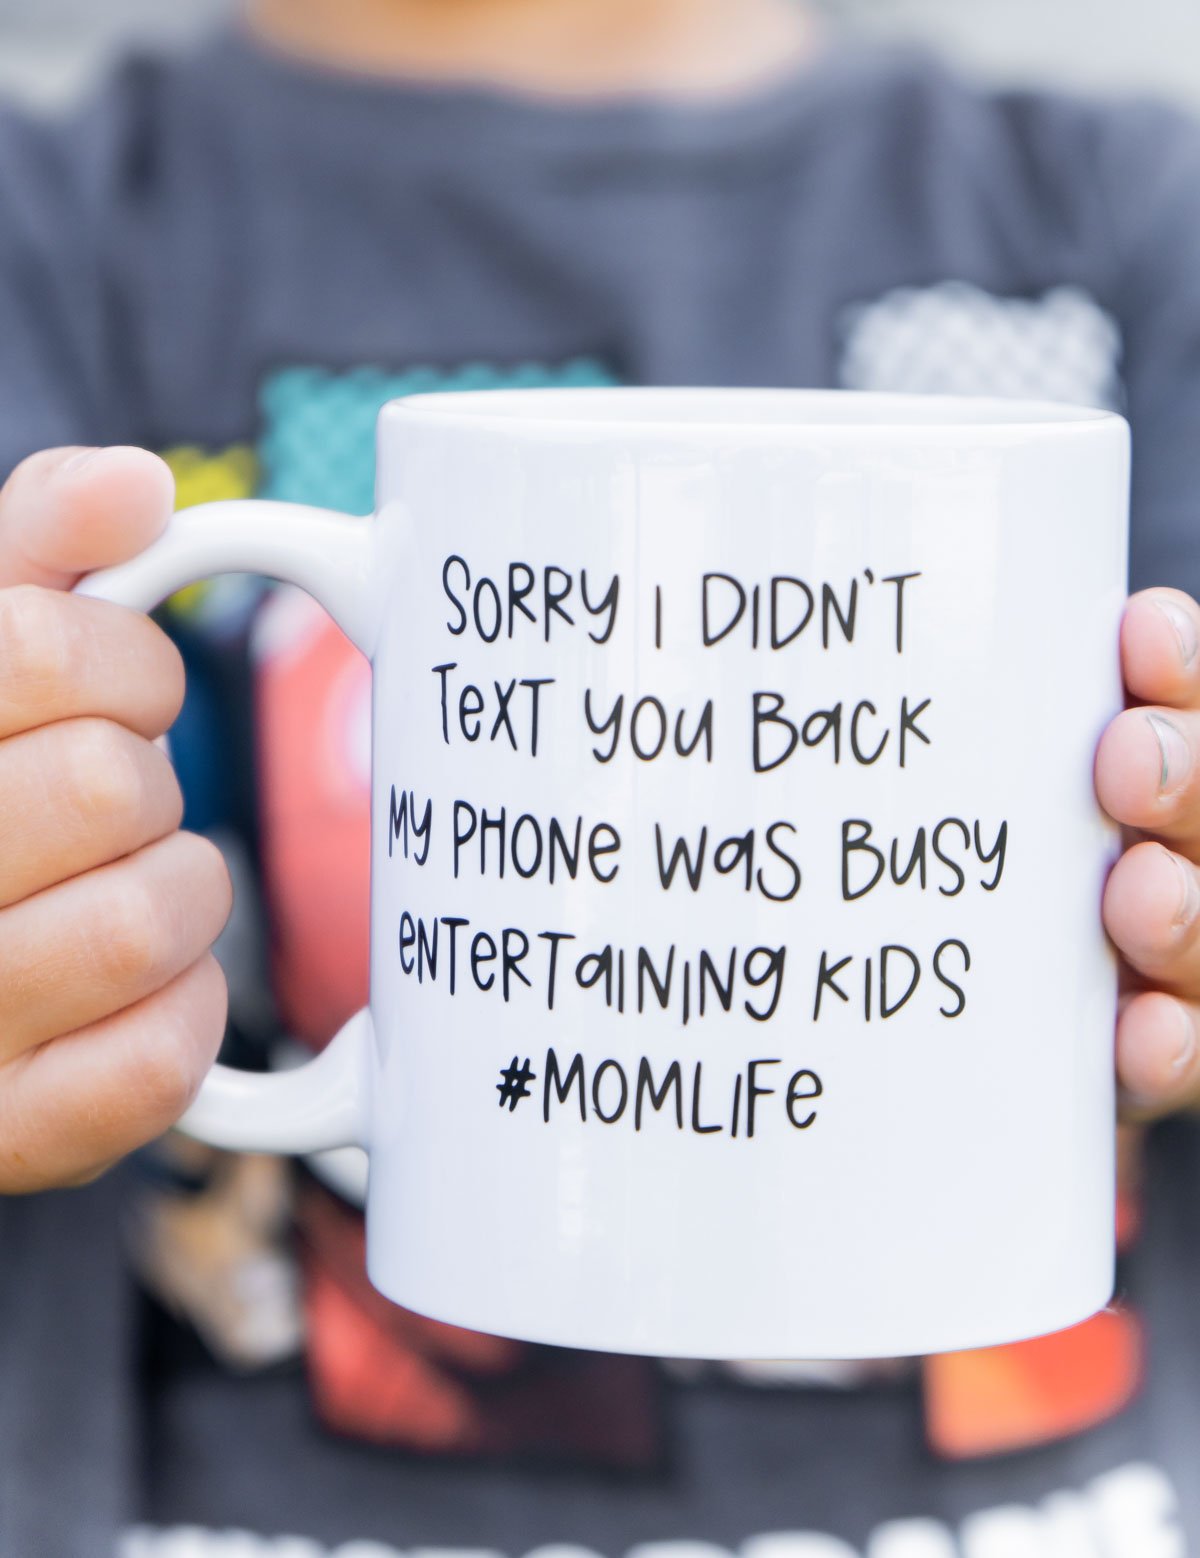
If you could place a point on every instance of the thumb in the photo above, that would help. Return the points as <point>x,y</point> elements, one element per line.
<point>64,512</point>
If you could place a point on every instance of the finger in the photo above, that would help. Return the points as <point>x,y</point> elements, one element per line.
<point>64,512</point>
<point>71,1108</point>
<point>1147,776</point>
<point>1152,913</point>
<point>1160,648</point>
<point>110,793</point>
<point>63,656</point>
<point>1158,1057</point>
<point>91,946</point>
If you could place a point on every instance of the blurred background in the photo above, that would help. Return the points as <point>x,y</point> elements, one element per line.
<point>211,1239</point>
<point>48,50</point>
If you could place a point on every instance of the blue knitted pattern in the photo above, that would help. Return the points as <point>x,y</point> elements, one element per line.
<point>318,426</point>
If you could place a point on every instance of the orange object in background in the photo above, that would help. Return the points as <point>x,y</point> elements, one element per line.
<point>996,1400</point>
<point>1000,1399</point>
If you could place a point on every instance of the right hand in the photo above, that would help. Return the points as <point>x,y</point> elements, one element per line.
<point>112,1006</point>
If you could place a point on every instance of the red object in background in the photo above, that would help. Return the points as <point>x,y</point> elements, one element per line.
<point>382,1373</point>
<point>313,704</point>
<point>377,1371</point>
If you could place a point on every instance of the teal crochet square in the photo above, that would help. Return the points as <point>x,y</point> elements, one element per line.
<point>318,425</point>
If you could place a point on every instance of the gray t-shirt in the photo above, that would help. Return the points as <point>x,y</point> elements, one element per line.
<point>235,250</point>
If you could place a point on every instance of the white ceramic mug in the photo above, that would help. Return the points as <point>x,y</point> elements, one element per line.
<point>738,986</point>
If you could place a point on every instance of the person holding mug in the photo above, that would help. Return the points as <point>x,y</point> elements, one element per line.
<point>115,1007</point>
<point>112,910</point>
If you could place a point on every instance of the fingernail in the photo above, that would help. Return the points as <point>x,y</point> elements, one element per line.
<point>1184,629</point>
<point>1186,1052</point>
<point>1173,750</point>
<point>80,457</point>
<point>1189,890</point>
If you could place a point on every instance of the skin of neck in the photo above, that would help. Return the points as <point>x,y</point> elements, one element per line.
<point>570,48</point>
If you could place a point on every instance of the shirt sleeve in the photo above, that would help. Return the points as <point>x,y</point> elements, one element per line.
<point>64,376</point>
<point>1149,181</point>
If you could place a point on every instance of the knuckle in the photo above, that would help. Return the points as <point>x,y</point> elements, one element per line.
<point>170,1071</point>
<point>172,677</point>
<point>132,937</point>
<point>157,1055</point>
<point>175,1057</point>
<point>208,874</point>
<point>104,778</point>
<point>42,1146</point>
<point>166,776</point>
<point>37,652</point>
<point>32,466</point>
<point>39,465</point>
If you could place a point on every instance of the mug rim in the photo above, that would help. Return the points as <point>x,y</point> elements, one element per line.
<point>691,410</point>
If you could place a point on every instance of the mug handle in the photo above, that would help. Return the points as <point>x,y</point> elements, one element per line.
<point>322,1103</point>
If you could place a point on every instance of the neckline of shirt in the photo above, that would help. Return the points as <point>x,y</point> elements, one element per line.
<point>485,118</point>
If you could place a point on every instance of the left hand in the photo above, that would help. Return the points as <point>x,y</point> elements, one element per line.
<point>1148,779</point>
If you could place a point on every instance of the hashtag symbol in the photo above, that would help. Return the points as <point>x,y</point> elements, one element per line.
<point>514,1083</point>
